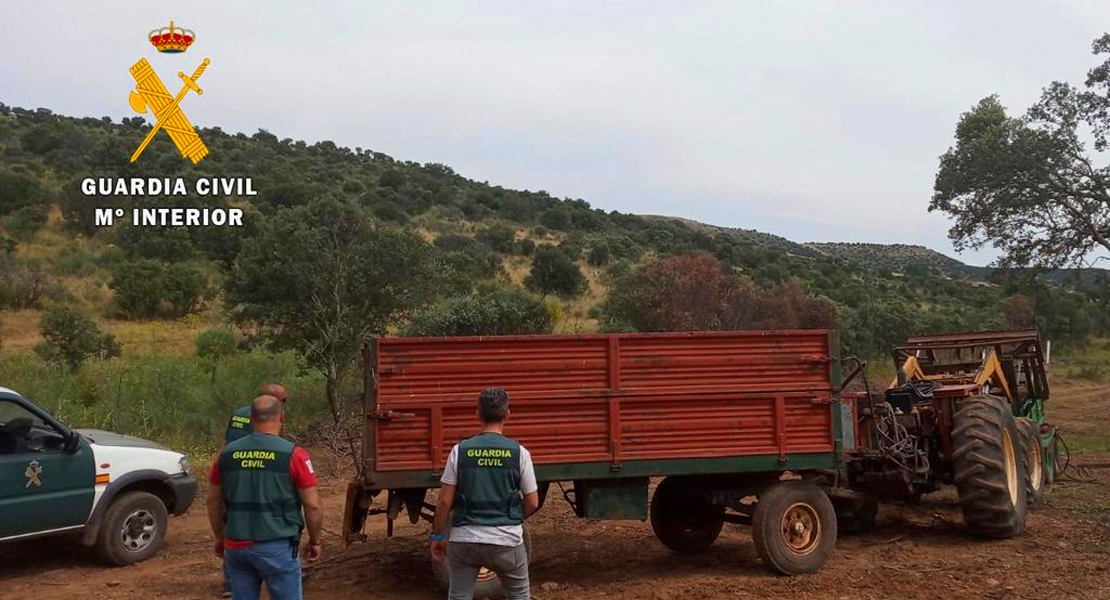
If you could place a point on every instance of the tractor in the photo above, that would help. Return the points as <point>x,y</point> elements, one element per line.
<point>964,409</point>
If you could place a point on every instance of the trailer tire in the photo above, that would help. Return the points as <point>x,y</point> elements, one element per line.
<point>989,467</point>
<point>684,520</point>
<point>1036,477</point>
<point>794,527</point>
<point>488,586</point>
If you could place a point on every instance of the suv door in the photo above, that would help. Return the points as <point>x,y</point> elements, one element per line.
<point>44,486</point>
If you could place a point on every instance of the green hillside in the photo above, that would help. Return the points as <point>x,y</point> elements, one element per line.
<point>182,305</point>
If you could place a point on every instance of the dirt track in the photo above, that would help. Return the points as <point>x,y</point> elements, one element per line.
<point>917,552</point>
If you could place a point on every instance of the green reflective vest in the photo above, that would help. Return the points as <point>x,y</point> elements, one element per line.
<point>488,489</point>
<point>261,499</point>
<point>239,426</point>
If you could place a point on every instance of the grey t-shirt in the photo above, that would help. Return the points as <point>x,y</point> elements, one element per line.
<point>503,535</point>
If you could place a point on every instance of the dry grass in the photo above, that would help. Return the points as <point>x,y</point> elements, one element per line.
<point>19,332</point>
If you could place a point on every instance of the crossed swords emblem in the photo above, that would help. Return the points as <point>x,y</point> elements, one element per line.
<point>34,469</point>
<point>167,109</point>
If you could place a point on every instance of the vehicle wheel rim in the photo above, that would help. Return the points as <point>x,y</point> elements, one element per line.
<point>485,575</point>
<point>801,528</point>
<point>138,530</point>
<point>1011,466</point>
<point>1036,466</point>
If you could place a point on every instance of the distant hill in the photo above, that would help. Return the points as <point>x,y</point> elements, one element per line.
<point>891,257</point>
<point>899,257</point>
<point>751,237</point>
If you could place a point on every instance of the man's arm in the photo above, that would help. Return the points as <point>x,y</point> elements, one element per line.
<point>442,520</point>
<point>443,508</point>
<point>529,489</point>
<point>304,478</point>
<point>314,520</point>
<point>531,504</point>
<point>216,515</point>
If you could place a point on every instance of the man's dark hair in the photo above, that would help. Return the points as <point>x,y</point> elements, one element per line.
<point>493,405</point>
<point>265,408</point>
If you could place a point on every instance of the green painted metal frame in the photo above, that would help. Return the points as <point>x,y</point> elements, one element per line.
<point>637,468</point>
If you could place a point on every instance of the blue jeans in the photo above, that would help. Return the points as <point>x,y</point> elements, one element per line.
<point>271,562</point>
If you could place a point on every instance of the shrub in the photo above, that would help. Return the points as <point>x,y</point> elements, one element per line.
<point>555,218</point>
<point>71,337</point>
<point>147,288</point>
<point>161,243</point>
<point>525,247</point>
<point>553,272</point>
<point>501,238</point>
<point>599,254</point>
<point>26,284</point>
<point>694,292</point>
<point>215,344</point>
<point>503,311</point>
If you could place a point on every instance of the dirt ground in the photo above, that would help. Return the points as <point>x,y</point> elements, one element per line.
<point>917,552</point>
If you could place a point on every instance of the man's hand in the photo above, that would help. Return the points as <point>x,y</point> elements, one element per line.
<point>219,548</point>
<point>439,550</point>
<point>313,551</point>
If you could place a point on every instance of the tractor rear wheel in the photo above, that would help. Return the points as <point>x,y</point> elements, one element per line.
<point>684,520</point>
<point>988,461</point>
<point>1036,476</point>
<point>794,527</point>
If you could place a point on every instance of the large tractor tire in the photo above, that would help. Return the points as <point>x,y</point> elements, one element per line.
<point>1036,475</point>
<point>794,527</point>
<point>988,453</point>
<point>683,520</point>
<point>488,585</point>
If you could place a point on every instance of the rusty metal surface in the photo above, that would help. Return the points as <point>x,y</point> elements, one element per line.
<point>608,398</point>
<point>979,337</point>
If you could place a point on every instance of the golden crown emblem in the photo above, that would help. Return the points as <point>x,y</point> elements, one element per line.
<point>171,40</point>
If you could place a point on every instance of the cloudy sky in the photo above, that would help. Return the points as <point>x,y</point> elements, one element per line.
<point>814,120</point>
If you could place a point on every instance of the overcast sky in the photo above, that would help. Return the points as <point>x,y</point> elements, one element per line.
<point>817,121</point>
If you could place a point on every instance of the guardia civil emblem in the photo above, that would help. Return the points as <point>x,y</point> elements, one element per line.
<point>34,469</point>
<point>151,92</point>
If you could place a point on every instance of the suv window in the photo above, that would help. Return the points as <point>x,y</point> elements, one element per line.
<point>23,431</point>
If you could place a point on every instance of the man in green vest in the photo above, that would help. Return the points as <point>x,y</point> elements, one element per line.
<point>262,494</point>
<point>487,489</point>
<point>239,425</point>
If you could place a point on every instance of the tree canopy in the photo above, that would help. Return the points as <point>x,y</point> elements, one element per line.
<point>1029,185</point>
<point>321,279</point>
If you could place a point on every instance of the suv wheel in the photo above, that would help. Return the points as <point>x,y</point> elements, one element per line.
<point>133,530</point>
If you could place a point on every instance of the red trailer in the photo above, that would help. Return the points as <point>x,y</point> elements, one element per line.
<point>737,423</point>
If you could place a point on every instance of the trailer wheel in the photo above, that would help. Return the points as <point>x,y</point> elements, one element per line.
<point>684,521</point>
<point>989,466</point>
<point>794,527</point>
<point>1036,476</point>
<point>488,585</point>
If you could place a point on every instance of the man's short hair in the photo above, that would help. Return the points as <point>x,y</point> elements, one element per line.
<point>273,389</point>
<point>265,408</point>
<point>493,405</point>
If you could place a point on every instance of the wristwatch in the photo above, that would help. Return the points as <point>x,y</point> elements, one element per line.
<point>437,537</point>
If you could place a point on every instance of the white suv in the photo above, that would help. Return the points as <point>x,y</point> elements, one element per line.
<point>116,491</point>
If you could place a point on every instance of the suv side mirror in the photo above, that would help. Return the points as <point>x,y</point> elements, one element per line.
<point>72,441</point>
